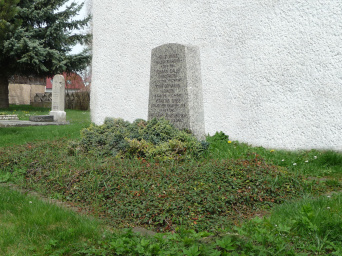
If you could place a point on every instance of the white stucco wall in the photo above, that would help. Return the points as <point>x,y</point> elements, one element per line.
<point>271,69</point>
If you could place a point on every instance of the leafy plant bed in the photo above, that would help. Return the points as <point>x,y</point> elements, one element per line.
<point>200,195</point>
<point>219,190</point>
<point>310,226</point>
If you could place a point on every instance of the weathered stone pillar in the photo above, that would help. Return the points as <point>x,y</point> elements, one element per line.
<point>176,87</point>
<point>58,99</point>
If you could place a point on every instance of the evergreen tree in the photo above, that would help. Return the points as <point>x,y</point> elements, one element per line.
<point>41,43</point>
<point>8,9</point>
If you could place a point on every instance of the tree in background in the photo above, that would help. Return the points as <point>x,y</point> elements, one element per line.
<point>8,8</point>
<point>41,42</point>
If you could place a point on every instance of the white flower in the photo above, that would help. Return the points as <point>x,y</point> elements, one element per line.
<point>294,163</point>
<point>282,160</point>
<point>328,208</point>
<point>30,202</point>
<point>306,161</point>
<point>328,196</point>
<point>315,157</point>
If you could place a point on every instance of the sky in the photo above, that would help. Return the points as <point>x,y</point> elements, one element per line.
<point>82,14</point>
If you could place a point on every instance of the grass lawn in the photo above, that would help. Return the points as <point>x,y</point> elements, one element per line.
<point>22,135</point>
<point>30,226</point>
<point>235,200</point>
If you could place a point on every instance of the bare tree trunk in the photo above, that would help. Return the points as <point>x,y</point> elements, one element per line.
<point>4,103</point>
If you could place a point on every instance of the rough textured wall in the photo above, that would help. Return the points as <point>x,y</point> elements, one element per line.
<point>271,69</point>
<point>23,94</point>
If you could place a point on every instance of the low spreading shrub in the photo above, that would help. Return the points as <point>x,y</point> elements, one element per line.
<point>157,139</point>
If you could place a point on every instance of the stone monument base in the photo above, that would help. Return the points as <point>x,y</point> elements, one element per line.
<point>59,116</point>
<point>43,118</point>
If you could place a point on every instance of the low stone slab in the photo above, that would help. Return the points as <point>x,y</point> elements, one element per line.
<point>9,117</point>
<point>43,118</point>
<point>21,123</point>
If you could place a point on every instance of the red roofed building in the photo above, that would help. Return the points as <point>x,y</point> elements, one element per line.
<point>73,83</point>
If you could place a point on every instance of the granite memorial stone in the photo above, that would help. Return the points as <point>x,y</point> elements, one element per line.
<point>58,99</point>
<point>176,87</point>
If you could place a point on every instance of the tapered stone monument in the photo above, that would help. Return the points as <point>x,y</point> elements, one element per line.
<point>58,99</point>
<point>176,87</point>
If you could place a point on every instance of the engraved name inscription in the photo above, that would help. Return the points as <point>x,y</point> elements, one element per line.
<point>55,101</point>
<point>168,93</point>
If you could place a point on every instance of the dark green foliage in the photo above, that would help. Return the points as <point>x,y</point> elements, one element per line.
<point>330,159</point>
<point>41,45</point>
<point>259,236</point>
<point>8,8</point>
<point>157,139</point>
<point>219,136</point>
<point>129,243</point>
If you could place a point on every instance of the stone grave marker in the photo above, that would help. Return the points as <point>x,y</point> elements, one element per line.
<point>58,99</point>
<point>9,117</point>
<point>42,118</point>
<point>176,87</point>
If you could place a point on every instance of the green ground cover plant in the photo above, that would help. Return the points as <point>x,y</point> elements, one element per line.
<point>131,192</point>
<point>206,204</point>
<point>306,227</point>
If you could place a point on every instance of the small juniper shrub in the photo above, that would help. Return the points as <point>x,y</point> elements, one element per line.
<point>157,139</point>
